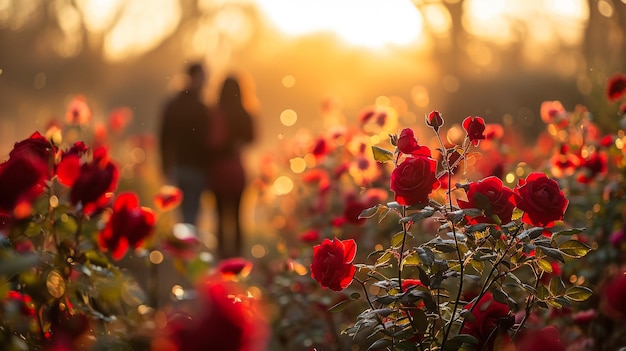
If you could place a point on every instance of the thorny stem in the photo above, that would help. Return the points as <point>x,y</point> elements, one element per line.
<point>456,242</point>
<point>529,305</point>
<point>367,297</point>
<point>404,232</point>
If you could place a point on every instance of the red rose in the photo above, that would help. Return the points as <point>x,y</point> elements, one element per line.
<point>407,144</point>
<point>487,315</point>
<point>22,178</point>
<point>474,127</point>
<point>235,266</point>
<point>612,299</point>
<point>91,181</point>
<point>169,197</point>
<point>553,112</point>
<point>546,339</point>
<point>36,146</point>
<point>434,120</point>
<point>616,87</point>
<point>413,180</point>
<point>492,197</point>
<point>224,318</point>
<point>541,199</point>
<point>332,263</point>
<point>352,211</point>
<point>128,226</point>
<point>310,236</point>
<point>592,166</point>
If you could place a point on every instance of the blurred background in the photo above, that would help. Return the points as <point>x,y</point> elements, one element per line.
<point>498,59</point>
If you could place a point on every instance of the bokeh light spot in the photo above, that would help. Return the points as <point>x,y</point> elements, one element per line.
<point>288,117</point>
<point>282,185</point>
<point>258,251</point>
<point>289,81</point>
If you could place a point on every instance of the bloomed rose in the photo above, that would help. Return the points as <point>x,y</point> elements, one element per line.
<point>332,263</point>
<point>541,199</point>
<point>413,180</point>
<point>492,197</point>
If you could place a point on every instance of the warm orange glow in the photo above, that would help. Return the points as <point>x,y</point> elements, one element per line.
<point>371,23</point>
<point>545,21</point>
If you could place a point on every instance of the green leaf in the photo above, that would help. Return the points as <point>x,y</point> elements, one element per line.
<point>384,258</point>
<point>552,253</point>
<point>530,234</point>
<point>397,239</point>
<point>420,320</point>
<point>557,287</point>
<point>542,292</point>
<point>369,212</point>
<point>578,293</point>
<point>544,265</point>
<point>569,232</point>
<point>411,260</point>
<point>379,344</point>
<point>426,256</point>
<point>574,248</point>
<point>340,306</point>
<point>382,155</point>
<point>426,212</point>
<point>424,278</point>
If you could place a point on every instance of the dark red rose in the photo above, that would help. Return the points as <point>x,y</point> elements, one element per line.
<point>434,120</point>
<point>487,315</point>
<point>594,165</point>
<point>224,318</point>
<point>413,180</point>
<point>310,236</point>
<point>36,146</point>
<point>546,339</point>
<point>320,148</point>
<point>332,263</point>
<point>541,199</point>
<point>474,127</point>
<point>22,178</point>
<point>235,266</point>
<point>407,144</point>
<point>492,197</point>
<point>616,87</point>
<point>352,211</point>
<point>128,225</point>
<point>95,179</point>
<point>612,300</point>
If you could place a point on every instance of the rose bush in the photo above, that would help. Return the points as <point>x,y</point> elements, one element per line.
<point>489,257</point>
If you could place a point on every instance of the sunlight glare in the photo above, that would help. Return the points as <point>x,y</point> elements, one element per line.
<point>545,21</point>
<point>98,14</point>
<point>367,23</point>
<point>141,27</point>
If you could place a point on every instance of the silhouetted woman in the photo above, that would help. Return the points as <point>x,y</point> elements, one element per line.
<point>232,128</point>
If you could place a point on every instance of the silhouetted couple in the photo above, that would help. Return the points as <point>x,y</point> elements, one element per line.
<point>201,149</point>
